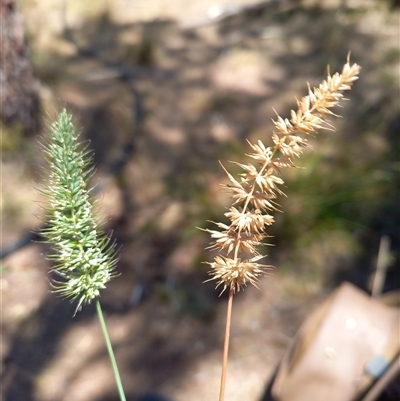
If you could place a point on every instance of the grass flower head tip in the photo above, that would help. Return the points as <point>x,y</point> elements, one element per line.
<point>83,256</point>
<point>255,191</point>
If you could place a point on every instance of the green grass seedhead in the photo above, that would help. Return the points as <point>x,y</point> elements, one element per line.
<point>83,255</point>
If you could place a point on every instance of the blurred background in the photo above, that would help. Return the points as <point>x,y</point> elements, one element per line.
<point>163,91</point>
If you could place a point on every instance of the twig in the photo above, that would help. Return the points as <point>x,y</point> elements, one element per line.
<point>381,266</point>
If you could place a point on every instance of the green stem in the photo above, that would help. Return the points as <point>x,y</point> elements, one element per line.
<point>110,352</point>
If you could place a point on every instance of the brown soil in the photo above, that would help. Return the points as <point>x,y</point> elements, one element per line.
<point>205,86</point>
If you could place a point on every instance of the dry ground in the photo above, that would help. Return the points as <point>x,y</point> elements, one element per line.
<point>205,85</point>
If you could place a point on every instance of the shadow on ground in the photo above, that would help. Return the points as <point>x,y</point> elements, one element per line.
<point>203,91</point>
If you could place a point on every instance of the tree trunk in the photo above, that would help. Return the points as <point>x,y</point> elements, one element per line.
<point>19,102</point>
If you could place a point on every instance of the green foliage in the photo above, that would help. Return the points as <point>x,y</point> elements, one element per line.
<point>83,255</point>
<point>12,137</point>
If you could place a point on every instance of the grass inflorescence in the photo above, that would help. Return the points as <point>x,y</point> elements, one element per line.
<point>83,255</point>
<point>255,191</point>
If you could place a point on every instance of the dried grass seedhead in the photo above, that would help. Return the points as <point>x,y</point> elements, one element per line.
<point>257,187</point>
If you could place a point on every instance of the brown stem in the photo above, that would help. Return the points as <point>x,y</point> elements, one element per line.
<point>226,345</point>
